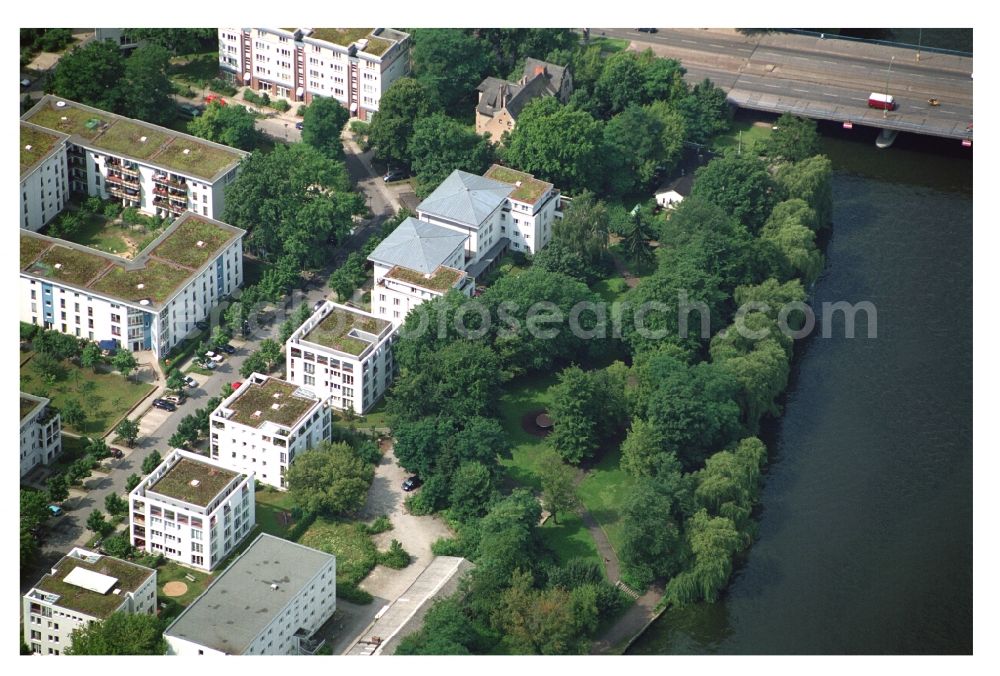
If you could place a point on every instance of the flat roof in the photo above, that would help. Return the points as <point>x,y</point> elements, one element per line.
<point>442,279</point>
<point>179,481</point>
<point>344,330</point>
<point>36,145</point>
<point>134,139</point>
<point>240,602</point>
<point>161,269</point>
<point>64,582</point>
<point>261,399</point>
<point>530,188</point>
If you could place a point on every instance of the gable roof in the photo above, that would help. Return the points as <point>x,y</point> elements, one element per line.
<point>465,198</point>
<point>496,94</point>
<point>417,245</point>
<point>552,74</point>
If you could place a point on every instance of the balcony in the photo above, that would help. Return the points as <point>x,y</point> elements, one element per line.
<point>166,180</point>
<point>138,519</point>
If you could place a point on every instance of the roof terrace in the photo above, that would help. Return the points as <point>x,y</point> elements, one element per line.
<point>129,578</point>
<point>192,481</point>
<point>527,189</point>
<point>350,332</point>
<point>272,401</point>
<point>442,279</point>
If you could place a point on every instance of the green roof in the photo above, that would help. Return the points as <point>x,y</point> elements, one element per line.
<point>176,483</point>
<point>76,267</point>
<point>332,331</point>
<point>159,281</point>
<point>27,406</point>
<point>340,36</point>
<point>530,189</point>
<point>130,577</point>
<point>122,136</point>
<point>181,245</point>
<point>376,46</point>
<point>35,145</point>
<point>442,279</point>
<point>31,248</point>
<point>255,398</point>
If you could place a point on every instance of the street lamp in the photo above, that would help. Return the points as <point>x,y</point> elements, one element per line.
<point>885,109</point>
<point>920,35</point>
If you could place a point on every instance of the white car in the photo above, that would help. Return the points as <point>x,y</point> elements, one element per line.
<point>217,358</point>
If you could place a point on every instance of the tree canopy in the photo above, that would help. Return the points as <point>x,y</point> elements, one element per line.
<point>440,145</point>
<point>451,64</point>
<point>120,633</point>
<point>322,124</point>
<point>403,103</point>
<point>740,185</point>
<point>329,479</point>
<point>794,139</point>
<point>230,125</point>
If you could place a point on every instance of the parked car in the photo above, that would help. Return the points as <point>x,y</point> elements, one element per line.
<point>318,304</point>
<point>202,325</point>
<point>646,30</point>
<point>190,382</point>
<point>208,365</point>
<point>176,399</point>
<point>55,510</point>
<point>25,82</point>
<point>411,483</point>
<point>298,125</point>
<point>189,110</point>
<point>217,358</point>
<point>117,453</point>
<point>395,175</point>
<point>228,349</point>
<point>164,405</point>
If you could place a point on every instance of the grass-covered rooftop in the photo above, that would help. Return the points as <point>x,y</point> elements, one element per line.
<point>35,145</point>
<point>126,138</point>
<point>195,482</point>
<point>27,406</point>
<point>31,248</point>
<point>201,160</point>
<point>193,243</point>
<point>130,577</point>
<point>70,119</point>
<point>340,36</point>
<point>261,399</point>
<point>69,265</point>
<point>530,189</point>
<point>441,279</point>
<point>333,331</point>
<point>159,281</point>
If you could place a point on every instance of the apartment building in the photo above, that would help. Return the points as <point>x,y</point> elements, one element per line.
<point>501,102</point>
<point>342,353</point>
<point>148,302</point>
<point>261,427</point>
<point>270,601</point>
<point>83,587</point>
<point>117,36</point>
<point>41,432</point>
<point>353,65</point>
<point>159,171</point>
<point>416,262</point>
<point>192,510</point>
<point>44,186</point>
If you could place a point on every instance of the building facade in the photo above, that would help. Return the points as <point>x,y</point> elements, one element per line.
<point>149,302</point>
<point>261,427</point>
<point>157,170</point>
<point>343,354</point>
<point>192,510</point>
<point>270,601</point>
<point>355,66</point>
<point>41,432</point>
<point>44,186</point>
<point>82,588</point>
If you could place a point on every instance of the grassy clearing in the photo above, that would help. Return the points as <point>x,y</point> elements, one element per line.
<point>610,45</point>
<point>274,512</point>
<point>570,539</point>
<point>194,70</point>
<point>105,401</point>
<point>746,132</point>
<point>603,492</point>
<point>172,571</point>
<point>523,396</point>
<point>348,541</point>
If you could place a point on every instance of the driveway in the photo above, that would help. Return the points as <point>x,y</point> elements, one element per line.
<point>415,533</point>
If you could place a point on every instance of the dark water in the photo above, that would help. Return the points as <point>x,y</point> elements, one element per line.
<point>865,540</point>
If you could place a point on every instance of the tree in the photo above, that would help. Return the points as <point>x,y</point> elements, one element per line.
<point>118,546</point>
<point>48,366</point>
<point>471,490</point>
<point>789,243</point>
<point>255,363</point>
<point>621,83</point>
<point>706,112</point>
<point>446,630</point>
<point>120,634</point>
<point>91,356</point>
<point>115,504</point>
<point>641,142</point>
<point>403,103</point>
<point>651,536</point>
<point>642,448</point>
<point>57,488</point>
<point>177,40</point>
<point>131,482</point>
<point>97,523</point>
<point>230,125</point>
<point>73,413</point>
<point>150,462</point>
<point>440,145</point>
<point>740,185</point>
<point>558,256</point>
<point>729,483</point>
<point>125,362</point>
<point>450,63</point>
<point>559,144</point>
<point>759,367</point>
<point>512,45</point>
<point>294,202</point>
<point>584,230</point>
<point>541,622</point>
<point>810,180</point>
<point>329,478</point>
<point>93,74</point>
<point>270,350</point>
<point>58,345</point>
<point>794,139</point>
<point>128,430</point>
<point>558,485</point>
<point>635,241</point>
<point>713,541</point>
<point>175,381</point>
<point>322,124</point>
<point>34,508</point>
<point>146,92</point>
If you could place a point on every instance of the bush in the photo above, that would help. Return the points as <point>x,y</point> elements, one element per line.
<point>301,112</point>
<point>379,525</point>
<point>29,331</point>
<point>418,506</point>
<point>132,216</point>
<point>222,87</point>
<point>368,450</point>
<point>352,593</point>
<point>301,527</point>
<point>396,557</point>
<point>447,547</point>
<point>282,105</point>
<point>111,209</point>
<point>617,285</point>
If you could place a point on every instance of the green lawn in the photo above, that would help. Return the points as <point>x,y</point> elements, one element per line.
<point>570,539</point>
<point>750,132</point>
<point>609,45</point>
<point>104,402</point>
<point>610,290</point>
<point>521,397</point>
<point>194,70</point>
<point>347,540</point>
<point>172,571</point>
<point>376,417</point>
<point>274,512</point>
<point>603,491</point>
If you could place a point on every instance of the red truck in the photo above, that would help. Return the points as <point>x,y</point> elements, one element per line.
<point>881,101</point>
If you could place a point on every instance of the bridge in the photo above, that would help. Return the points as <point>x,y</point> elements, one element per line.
<point>821,77</point>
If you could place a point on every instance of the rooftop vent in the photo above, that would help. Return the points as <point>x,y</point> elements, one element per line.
<point>140,286</point>
<point>275,407</point>
<point>142,139</point>
<point>517,184</point>
<point>60,104</point>
<point>274,586</point>
<point>194,483</point>
<point>255,414</point>
<point>276,395</point>
<point>199,243</point>
<point>187,151</point>
<point>144,301</point>
<point>58,266</point>
<point>27,147</point>
<point>117,592</point>
<point>63,118</point>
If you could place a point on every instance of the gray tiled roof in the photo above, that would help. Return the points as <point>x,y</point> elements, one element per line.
<point>240,602</point>
<point>417,245</point>
<point>465,198</point>
<point>556,73</point>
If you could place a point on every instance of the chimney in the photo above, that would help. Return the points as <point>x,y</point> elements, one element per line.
<point>539,70</point>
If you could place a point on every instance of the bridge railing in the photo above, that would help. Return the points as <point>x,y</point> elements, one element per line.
<point>873,41</point>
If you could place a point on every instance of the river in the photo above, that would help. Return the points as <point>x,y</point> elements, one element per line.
<point>865,542</point>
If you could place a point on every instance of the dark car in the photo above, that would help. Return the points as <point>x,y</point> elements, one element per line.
<point>164,404</point>
<point>411,483</point>
<point>646,30</point>
<point>395,175</point>
<point>318,304</point>
<point>228,349</point>
<point>117,453</point>
<point>202,325</point>
<point>189,110</point>
<point>298,125</point>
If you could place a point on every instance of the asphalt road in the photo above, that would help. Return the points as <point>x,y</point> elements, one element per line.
<point>822,78</point>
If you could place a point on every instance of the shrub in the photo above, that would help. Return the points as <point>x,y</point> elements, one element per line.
<point>379,525</point>
<point>301,112</point>
<point>131,216</point>
<point>447,547</point>
<point>396,557</point>
<point>111,209</point>
<point>221,86</point>
<point>282,105</point>
<point>352,593</point>
<point>417,506</point>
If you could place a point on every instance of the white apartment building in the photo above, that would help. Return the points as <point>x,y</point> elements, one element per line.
<point>342,353</point>
<point>83,587</point>
<point>264,424</point>
<point>43,175</point>
<point>353,65</point>
<point>117,36</point>
<point>531,208</point>
<point>147,303</point>
<point>192,510</point>
<point>270,601</point>
<point>41,432</point>
<point>160,171</point>
<point>416,262</point>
